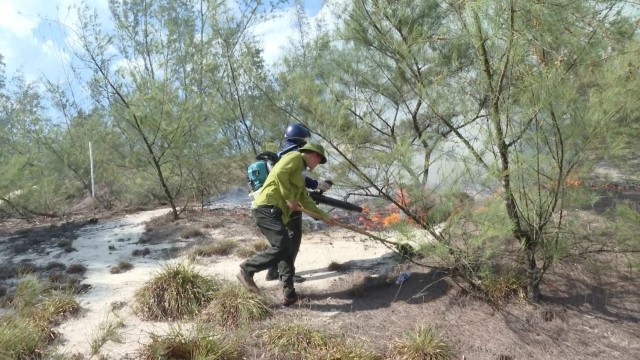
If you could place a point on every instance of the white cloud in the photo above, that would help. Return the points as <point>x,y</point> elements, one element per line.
<point>13,22</point>
<point>275,34</point>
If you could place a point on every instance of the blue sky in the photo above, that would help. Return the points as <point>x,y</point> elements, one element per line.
<point>36,47</point>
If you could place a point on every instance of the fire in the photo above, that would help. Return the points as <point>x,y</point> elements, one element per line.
<point>391,219</point>
<point>570,181</point>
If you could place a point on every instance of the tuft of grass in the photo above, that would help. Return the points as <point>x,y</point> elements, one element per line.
<point>213,224</point>
<point>296,341</point>
<point>222,248</point>
<point>260,245</point>
<point>76,269</point>
<point>191,232</point>
<point>28,293</point>
<point>201,343</point>
<point>141,252</point>
<point>122,266</point>
<point>21,337</point>
<point>54,265</point>
<point>176,292</point>
<point>245,252</point>
<point>158,221</point>
<point>233,306</point>
<point>423,344</point>
<point>55,307</point>
<point>335,266</point>
<point>108,331</point>
<point>28,329</point>
<point>504,286</point>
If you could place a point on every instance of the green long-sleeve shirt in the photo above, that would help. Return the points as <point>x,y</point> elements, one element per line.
<point>286,183</point>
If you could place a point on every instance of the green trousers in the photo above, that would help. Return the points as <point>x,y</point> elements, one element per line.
<point>295,233</point>
<point>280,254</point>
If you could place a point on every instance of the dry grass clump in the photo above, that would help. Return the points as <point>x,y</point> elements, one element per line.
<point>110,330</point>
<point>260,245</point>
<point>27,329</point>
<point>255,247</point>
<point>335,266</point>
<point>244,252</point>
<point>201,343</point>
<point>191,232</point>
<point>295,341</point>
<point>423,344</point>
<point>176,292</point>
<point>504,286</point>
<point>233,306</point>
<point>122,266</point>
<point>158,221</point>
<point>76,269</point>
<point>213,224</point>
<point>222,248</point>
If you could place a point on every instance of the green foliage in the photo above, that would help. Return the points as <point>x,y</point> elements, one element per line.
<point>177,292</point>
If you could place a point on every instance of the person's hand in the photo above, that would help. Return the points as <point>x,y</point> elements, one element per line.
<point>324,185</point>
<point>294,205</point>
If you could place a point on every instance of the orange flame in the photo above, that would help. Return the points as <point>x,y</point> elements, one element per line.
<point>572,182</point>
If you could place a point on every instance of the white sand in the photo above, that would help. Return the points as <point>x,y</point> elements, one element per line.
<point>107,290</point>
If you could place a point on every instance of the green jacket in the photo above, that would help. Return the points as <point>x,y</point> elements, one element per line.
<point>286,183</point>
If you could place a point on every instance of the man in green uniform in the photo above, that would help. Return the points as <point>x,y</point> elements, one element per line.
<point>283,192</point>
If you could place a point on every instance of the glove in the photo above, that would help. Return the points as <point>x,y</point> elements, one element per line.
<point>324,185</point>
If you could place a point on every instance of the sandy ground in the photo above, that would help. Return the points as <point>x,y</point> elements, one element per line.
<point>103,245</point>
<point>583,315</point>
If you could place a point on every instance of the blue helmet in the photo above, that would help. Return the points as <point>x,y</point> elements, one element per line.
<point>297,133</point>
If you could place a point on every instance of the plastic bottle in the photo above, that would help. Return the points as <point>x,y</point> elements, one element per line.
<point>402,277</point>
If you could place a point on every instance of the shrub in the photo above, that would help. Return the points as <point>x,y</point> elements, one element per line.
<point>177,292</point>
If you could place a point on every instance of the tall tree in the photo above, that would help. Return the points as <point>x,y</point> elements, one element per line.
<point>512,93</point>
<point>173,72</point>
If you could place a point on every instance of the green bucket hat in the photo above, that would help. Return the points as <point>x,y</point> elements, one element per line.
<point>316,148</point>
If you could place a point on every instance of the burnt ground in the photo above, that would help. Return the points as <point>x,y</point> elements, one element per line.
<point>589,310</point>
